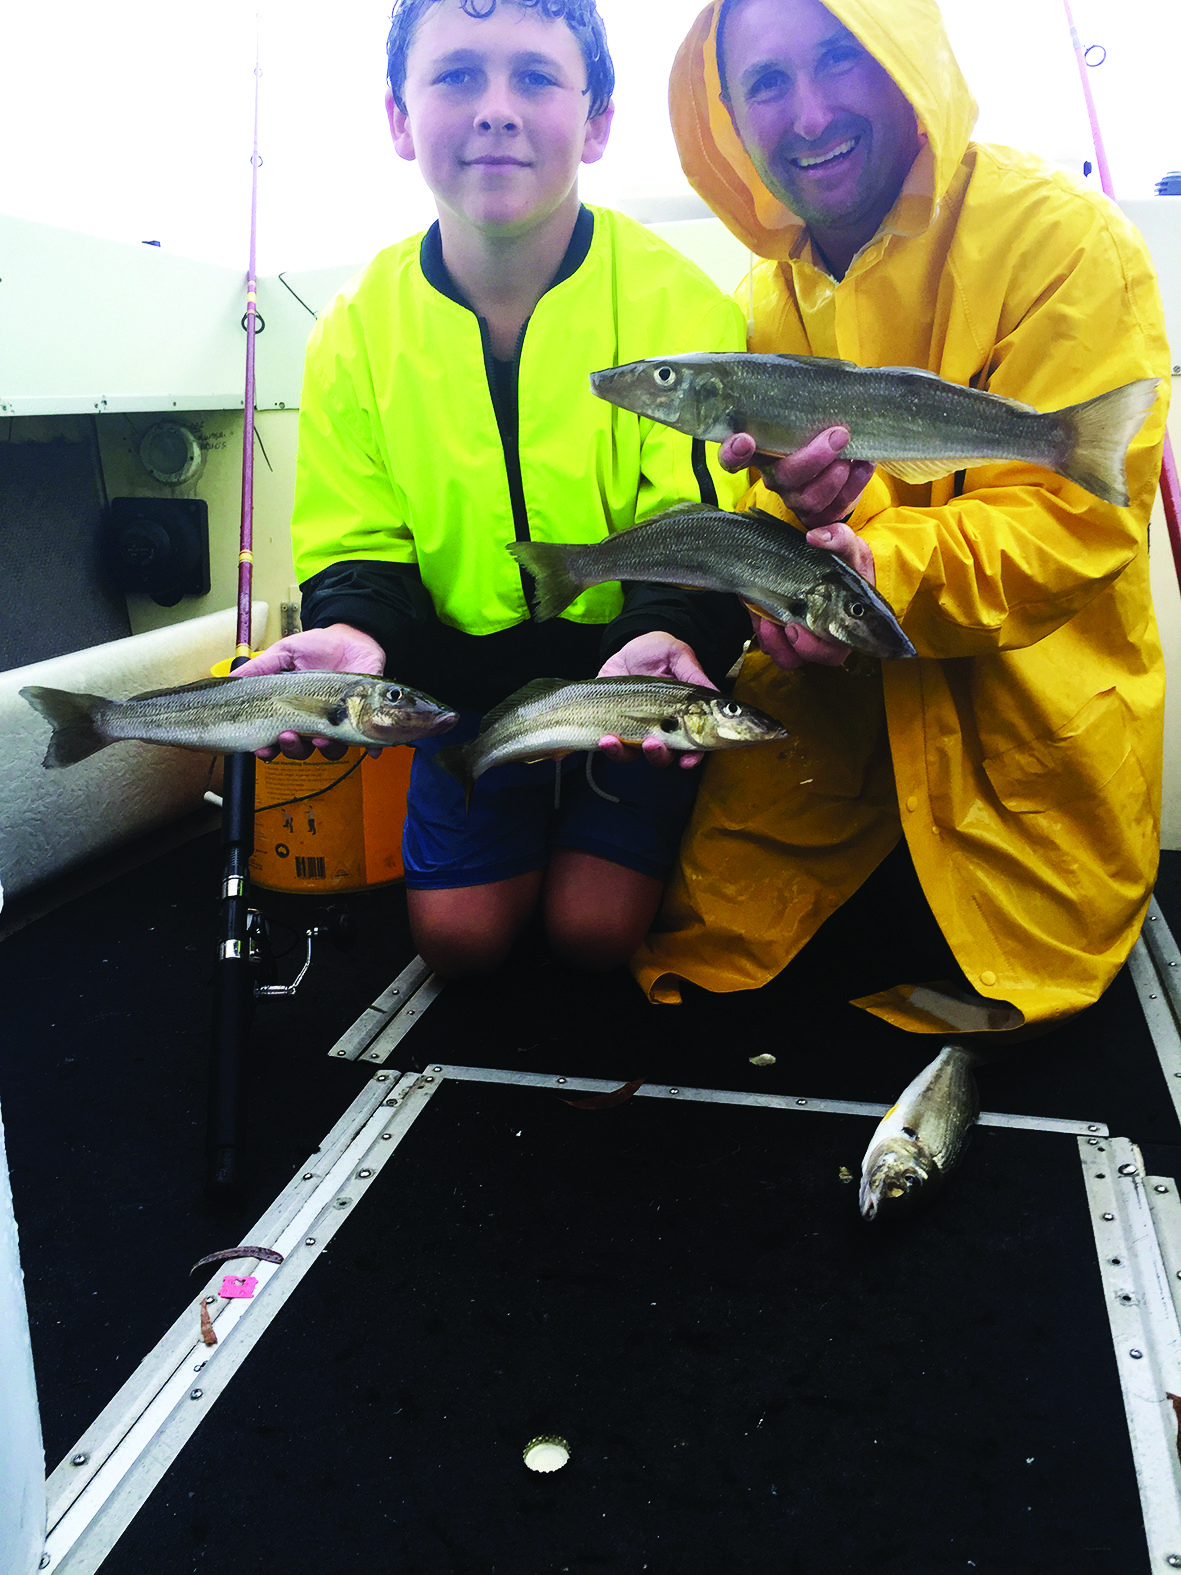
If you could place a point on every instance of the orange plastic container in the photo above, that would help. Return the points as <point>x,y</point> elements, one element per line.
<point>345,839</point>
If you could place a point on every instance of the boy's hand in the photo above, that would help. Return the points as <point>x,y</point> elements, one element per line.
<point>817,485</point>
<point>338,649</point>
<point>656,655</point>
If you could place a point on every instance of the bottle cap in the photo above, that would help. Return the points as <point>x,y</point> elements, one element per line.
<point>547,1453</point>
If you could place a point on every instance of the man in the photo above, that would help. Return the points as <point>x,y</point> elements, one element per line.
<point>1016,761</point>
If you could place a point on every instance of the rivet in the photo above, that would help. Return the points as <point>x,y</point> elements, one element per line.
<point>431,1080</point>
<point>436,1068</point>
<point>343,1203</point>
<point>674,1090</point>
<point>1108,1216</point>
<point>363,1175</point>
<point>1151,996</point>
<point>389,1101</point>
<point>1092,1127</point>
<point>1160,1187</point>
<point>1127,1170</point>
<point>309,1175</point>
<point>309,1241</point>
<point>1135,1353</point>
<point>387,1135</point>
<point>801,1101</point>
<point>197,1366</point>
<point>338,1052</point>
<point>561,1080</point>
<point>46,1560</point>
<point>1174,1559</point>
<point>209,1301</point>
<point>373,1055</point>
<point>1094,1142</point>
<point>195,1394</point>
<point>382,1077</point>
<point>79,1460</point>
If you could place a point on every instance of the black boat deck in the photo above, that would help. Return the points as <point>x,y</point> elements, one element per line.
<point>747,1375</point>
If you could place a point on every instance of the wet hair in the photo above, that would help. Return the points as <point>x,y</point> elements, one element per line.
<point>723,12</point>
<point>580,16</point>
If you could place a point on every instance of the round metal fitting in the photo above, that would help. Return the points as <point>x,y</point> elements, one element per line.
<point>363,1175</point>
<point>309,1175</point>
<point>309,1241</point>
<point>436,1068</point>
<point>338,1052</point>
<point>197,1366</point>
<point>1174,1561</point>
<point>1128,1170</point>
<point>1092,1127</point>
<point>195,1394</point>
<point>1134,1352</point>
<point>79,1460</point>
<point>45,1562</point>
<point>389,1101</point>
<point>343,1203</point>
<point>209,1301</point>
<point>431,1080</point>
<point>387,1136</point>
<point>674,1090</point>
<point>1094,1142</point>
<point>382,1077</point>
<point>1160,1187</point>
<point>1108,1216</point>
<point>561,1080</point>
<point>801,1101</point>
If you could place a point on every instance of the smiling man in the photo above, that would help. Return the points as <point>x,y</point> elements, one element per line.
<point>987,812</point>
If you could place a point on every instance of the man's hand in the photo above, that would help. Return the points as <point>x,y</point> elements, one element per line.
<point>656,655</point>
<point>338,649</point>
<point>817,485</point>
<point>792,645</point>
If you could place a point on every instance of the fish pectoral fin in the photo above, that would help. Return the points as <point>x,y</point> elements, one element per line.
<point>318,712</point>
<point>918,470</point>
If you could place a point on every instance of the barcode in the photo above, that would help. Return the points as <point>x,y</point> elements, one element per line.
<point>309,869</point>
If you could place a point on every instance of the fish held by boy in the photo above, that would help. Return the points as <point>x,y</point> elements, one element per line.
<point>759,557</point>
<point>552,717</point>
<point>911,422</point>
<point>235,715</point>
<point>922,1136</point>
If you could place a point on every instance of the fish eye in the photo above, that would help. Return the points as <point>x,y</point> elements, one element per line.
<point>665,375</point>
<point>857,609</point>
<point>668,724</point>
<point>730,708</point>
<point>393,694</point>
<point>910,1133</point>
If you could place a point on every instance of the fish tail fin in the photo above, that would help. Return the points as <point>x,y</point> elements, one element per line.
<point>73,718</point>
<point>1101,432</point>
<point>547,562</point>
<point>454,761</point>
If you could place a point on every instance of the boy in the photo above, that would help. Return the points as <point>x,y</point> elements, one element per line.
<point>446,412</point>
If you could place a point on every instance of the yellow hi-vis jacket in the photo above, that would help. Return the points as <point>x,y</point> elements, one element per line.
<point>1020,752</point>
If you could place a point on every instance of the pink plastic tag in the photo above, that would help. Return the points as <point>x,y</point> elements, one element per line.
<point>237,1285</point>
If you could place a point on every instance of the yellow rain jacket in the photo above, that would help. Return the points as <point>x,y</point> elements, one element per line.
<point>1020,752</point>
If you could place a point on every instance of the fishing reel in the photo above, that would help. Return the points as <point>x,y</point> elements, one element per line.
<point>334,924</point>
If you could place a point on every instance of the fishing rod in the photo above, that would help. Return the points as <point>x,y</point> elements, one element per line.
<point>1170,487</point>
<point>233,982</point>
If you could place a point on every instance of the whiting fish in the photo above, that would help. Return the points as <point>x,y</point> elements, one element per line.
<point>911,422</point>
<point>551,717</point>
<point>759,557</point>
<point>230,715</point>
<point>922,1136</point>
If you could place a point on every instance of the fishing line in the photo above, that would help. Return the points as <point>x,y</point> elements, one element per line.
<point>302,797</point>
<point>299,298</point>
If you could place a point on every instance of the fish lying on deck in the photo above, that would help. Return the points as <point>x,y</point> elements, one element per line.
<point>551,717</point>
<point>912,423</point>
<point>231,715</point>
<point>759,557</point>
<point>922,1136</point>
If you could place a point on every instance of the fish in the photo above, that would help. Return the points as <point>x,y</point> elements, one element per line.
<point>232,715</point>
<point>552,717</point>
<point>767,562</point>
<point>911,422</point>
<point>922,1136</point>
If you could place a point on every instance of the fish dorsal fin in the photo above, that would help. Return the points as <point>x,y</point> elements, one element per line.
<point>535,689</point>
<point>815,361</point>
<point>184,689</point>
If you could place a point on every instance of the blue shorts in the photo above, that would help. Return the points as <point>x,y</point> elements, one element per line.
<point>512,823</point>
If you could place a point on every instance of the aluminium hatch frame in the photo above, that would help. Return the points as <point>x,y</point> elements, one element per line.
<point>107,1476</point>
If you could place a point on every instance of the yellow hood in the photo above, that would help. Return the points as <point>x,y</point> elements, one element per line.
<point>907,38</point>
